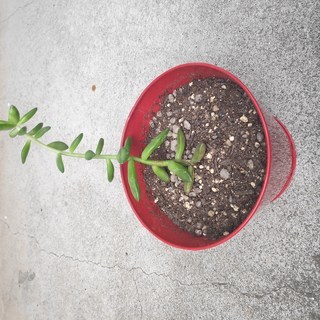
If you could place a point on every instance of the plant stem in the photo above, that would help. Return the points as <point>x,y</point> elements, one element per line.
<point>65,153</point>
<point>159,163</point>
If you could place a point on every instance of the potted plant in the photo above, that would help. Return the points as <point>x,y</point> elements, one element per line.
<point>198,155</point>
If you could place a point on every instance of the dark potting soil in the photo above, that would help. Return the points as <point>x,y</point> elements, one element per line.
<point>228,180</point>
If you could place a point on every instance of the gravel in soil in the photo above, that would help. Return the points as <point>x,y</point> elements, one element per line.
<point>229,178</point>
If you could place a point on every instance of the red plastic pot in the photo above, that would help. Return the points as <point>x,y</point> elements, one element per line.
<point>281,155</point>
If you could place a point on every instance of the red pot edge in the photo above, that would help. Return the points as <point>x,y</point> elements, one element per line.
<point>294,160</point>
<point>268,167</point>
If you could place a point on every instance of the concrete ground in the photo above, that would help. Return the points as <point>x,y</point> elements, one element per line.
<point>70,246</point>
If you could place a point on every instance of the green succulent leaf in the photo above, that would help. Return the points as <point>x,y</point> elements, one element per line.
<point>198,153</point>
<point>25,151</point>
<point>27,116</point>
<point>59,163</point>
<point>42,132</point>
<point>123,155</point>
<point>76,142</point>
<point>58,145</point>
<point>22,131</point>
<point>6,126</point>
<point>14,115</point>
<point>128,143</point>
<point>124,152</point>
<point>161,173</point>
<point>180,145</point>
<point>36,129</point>
<point>154,144</point>
<point>110,170</point>
<point>133,180</point>
<point>188,185</point>
<point>180,171</point>
<point>89,155</point>
<point>100,146</point>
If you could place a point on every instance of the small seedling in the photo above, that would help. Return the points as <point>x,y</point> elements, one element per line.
<point>161,168</point>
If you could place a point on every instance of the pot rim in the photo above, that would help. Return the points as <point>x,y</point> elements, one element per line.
<point>268,149</point>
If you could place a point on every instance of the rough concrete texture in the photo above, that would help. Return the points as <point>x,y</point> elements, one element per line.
<point>71,248</point>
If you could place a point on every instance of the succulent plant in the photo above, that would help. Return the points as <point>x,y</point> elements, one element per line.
<point>161,168</point>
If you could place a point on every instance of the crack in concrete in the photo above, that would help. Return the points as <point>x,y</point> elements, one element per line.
<point>229,287</point>
<point>15,11</point>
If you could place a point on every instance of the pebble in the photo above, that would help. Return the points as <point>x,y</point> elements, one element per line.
<point>210,213</point>
<point>170,98</point>
<point>231,138</point>
<point>169,113</point>
<point>212,98</point>
<point>186,124</point>
<point>173,178</point>
<point>252,184</point>
<point>168,156</point>
<point>190,156</point>
<point>215,108</point>
<point>151,124</point>
<point>189,220</point>
<point>228,143</point>
<point>257,144</point>
<point>214,189</point>
<point>197,190</point>
<point>198,98</point>
<point>198,232</point>
<point>243,118</point>
<point>223,87</point>
<point>187,205</point>
<point>226,233</point>
<point>250,164</point>
<point>174,135</point>
<point>209,156</point>
<point>198,204</point>
<point>249,125</point>
<point>224,174</point>
<point>175,128</point>
<point>234,207</point>
<point>199,225</point>
<point>167,143</point>
<point>159,114</point>
<point>260,136</point>
<point>174,93</point>
<point>172,120</point>
<point>173,145</point>
<point>192,194</point>
<point>211,170</point>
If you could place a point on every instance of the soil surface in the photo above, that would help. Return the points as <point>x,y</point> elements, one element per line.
<point>228,180</point>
